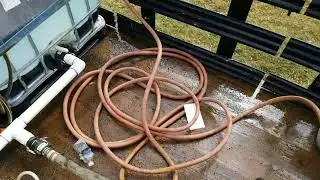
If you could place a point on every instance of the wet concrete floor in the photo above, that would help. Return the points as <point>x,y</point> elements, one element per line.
<point>275,143</point>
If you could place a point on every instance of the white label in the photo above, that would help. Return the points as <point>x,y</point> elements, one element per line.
<point>9,4</point>
<point>190,110</point>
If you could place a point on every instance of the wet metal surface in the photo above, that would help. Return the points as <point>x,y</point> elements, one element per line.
<point>274,143</point>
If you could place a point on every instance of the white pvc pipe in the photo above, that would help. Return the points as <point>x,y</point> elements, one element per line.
<point>23,136</point>
<point>46,97</point>
<point>3,143</point>
<point>16,129</point>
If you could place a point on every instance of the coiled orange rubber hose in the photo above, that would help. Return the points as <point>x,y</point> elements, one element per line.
<point>156,126</point>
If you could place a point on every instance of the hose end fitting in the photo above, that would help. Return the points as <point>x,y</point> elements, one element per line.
<point>38,146</point>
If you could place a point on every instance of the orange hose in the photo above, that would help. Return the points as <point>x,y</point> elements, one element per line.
<point>157,126</point>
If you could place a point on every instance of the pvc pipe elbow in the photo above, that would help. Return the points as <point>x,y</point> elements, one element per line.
<point>78,66</point>
<point>76,63</point>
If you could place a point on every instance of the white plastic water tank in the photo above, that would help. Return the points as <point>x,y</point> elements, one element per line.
<point>60,27</point>
<point>3,72</point>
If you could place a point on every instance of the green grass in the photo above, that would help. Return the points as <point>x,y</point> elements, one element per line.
<point>262,15</point>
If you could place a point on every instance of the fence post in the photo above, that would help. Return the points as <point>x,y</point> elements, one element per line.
<point>149,15</point>
<point>315,86</point>
<point>238,9</point>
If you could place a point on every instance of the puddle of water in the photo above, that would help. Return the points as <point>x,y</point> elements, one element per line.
<point>282,173</point>
<point>269,118</point>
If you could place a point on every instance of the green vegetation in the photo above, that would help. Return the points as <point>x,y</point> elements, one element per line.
<point>262,15</point>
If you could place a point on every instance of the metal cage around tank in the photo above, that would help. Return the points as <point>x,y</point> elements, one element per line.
<point>65,22</point>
